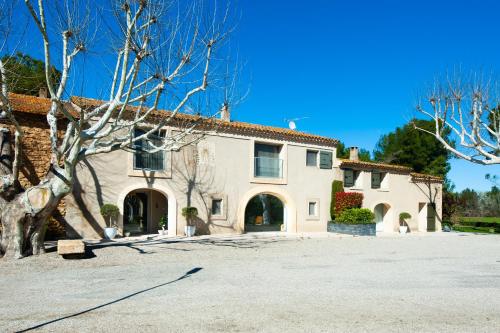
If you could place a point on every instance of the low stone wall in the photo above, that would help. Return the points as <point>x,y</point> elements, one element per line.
<point>353,229</point>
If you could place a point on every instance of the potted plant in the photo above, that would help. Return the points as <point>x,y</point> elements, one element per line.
<point>162,224</point>
<point>189,213</point>
<point>110,212</point>
<point>403,226</point>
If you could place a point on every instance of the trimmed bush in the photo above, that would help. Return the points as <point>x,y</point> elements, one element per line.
<point>337,186</point>
<point>347,200</point>
<point>356,216</point>
<point>404,216</point>
<point>163,222</point>
<point>189,213</point>
<point>110,213</point>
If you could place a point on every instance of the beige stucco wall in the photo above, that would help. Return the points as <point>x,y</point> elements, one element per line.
<point>228,173</point>
<point>400,194</point>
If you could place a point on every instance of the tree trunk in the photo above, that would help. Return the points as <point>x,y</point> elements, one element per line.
<point>24,218</point>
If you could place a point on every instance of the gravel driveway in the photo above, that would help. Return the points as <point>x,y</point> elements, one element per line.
<point>432,283</point>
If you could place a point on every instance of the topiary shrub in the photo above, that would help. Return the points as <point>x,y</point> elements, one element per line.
<point>356,216</point>
<point>163,222</point>
<point>110,212</point>
<point>337,186</point>
<point>189,213</point>
<point>347,200</point>
<point>403,217</point>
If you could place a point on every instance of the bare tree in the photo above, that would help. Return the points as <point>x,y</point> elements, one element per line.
<point>164,54</point>
<point>470,108</point>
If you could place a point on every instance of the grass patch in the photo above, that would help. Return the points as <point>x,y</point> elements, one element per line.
<point>484,230</point>
<point>479,220</point>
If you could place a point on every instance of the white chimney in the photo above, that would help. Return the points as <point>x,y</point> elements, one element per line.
<point>42,92</point>
<point>225,114</point>
<point>354,153</point>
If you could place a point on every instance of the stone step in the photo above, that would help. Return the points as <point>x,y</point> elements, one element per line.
<point>71,248</point>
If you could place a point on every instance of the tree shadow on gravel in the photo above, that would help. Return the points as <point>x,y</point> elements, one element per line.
<point>186,275</point>
<point>141,246</point>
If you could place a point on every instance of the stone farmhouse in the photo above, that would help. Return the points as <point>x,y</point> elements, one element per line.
<point>221,174</point>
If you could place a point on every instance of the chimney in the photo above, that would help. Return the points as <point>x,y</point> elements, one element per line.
<point>42,92</point>
<point>225,114</point>
<point>354,153</point>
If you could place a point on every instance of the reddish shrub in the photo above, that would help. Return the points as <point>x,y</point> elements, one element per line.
<point>346,200</point>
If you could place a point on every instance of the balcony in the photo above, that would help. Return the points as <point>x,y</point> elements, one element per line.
<point>149,161</point>
<point>268,167</point>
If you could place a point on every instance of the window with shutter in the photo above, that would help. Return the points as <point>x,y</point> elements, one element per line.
<point>325,159</point>
<point>376,179</point>
<point>312,158</point>
<point>348,178</point>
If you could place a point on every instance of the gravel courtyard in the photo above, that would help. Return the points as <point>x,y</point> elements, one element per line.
<point>431,283</point>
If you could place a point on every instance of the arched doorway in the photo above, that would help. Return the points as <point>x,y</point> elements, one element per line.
<point>289,206</point>
<point>142,211</point>
<point>264,212</point>
<point>382,217</point>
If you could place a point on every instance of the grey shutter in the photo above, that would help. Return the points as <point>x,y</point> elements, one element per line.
<point>348,178</point>
<point>376,179</point>
<point>325,159</point>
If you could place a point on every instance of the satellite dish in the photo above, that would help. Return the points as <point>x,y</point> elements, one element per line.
<point>292,125</point>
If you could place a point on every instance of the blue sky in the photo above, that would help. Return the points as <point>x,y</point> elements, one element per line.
<point>354,68</point>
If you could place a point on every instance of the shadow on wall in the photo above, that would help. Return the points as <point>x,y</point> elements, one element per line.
<point>194,168</point>
<point>78,193</point>
<point>431,194</point>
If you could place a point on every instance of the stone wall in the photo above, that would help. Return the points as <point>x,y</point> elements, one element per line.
<point>36,161</point>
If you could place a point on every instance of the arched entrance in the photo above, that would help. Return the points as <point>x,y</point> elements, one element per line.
<point>147,205</point>
<point>142,211</point>
<point>289,208</point>
<point>382,213</point>
<point>264,212</point>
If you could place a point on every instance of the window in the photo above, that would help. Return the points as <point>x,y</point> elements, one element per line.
<point>349,178</point>
<point>267,161</point>
<point>312,208</point>
<point>376,179</point>
<point>312,158</point>
<point>217,207</point>
<point>144,160</point>
<point>325,159</point>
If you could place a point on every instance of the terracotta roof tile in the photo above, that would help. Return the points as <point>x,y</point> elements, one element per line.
<point>375,165</point>
<point>29,104</point>
<point>416,177</point>
<point>422,177</point>
<point>232,127</point>
<point>34,104</point>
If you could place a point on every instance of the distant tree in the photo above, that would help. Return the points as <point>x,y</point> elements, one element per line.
<point>452,204</point>
<point>26,75</point>
<point>490,202</point>
<point>343,152</point>
<point>410,147</point>
<point>469,200</point>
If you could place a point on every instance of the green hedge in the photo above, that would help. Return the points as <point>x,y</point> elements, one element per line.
<point>337,186</point>
<point>356,216</point>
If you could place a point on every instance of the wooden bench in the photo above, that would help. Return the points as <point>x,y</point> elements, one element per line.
<point>71,248</point>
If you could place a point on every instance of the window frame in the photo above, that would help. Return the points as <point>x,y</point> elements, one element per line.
<point>316,157</point>
<point>162,134</point>
<point>214,200</point>
<point>223,209</point>
<point>381,178</point>
<point>316,215</point>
